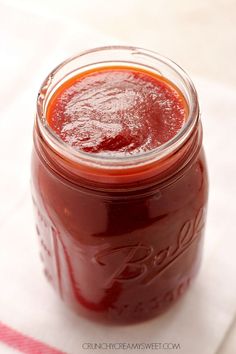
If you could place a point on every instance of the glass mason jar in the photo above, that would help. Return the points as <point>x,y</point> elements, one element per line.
<point>120,237</point>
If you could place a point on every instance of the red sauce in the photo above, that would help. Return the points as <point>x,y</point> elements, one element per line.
<point>127,249</point>
<point>117,110</point>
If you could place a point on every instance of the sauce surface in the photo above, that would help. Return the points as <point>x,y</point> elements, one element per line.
<point>117,110</point>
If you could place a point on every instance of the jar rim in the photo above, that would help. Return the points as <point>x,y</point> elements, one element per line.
<point>111,161</point>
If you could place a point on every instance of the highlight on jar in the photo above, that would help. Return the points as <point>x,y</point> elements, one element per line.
<point>119,183</point>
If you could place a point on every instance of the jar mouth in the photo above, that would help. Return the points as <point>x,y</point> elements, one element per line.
<point>110,56</point>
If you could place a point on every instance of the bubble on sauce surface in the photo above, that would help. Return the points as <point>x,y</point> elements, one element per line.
<point>117,111</point>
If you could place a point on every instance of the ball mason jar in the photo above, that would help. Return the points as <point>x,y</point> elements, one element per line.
<point>120,237</point>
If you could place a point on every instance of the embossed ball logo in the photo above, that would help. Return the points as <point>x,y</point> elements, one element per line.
<point>144,263</point>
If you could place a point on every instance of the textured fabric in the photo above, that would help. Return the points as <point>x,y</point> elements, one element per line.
<point>24,344</point>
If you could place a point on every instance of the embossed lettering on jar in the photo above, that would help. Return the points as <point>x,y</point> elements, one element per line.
<point>120,209</point>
